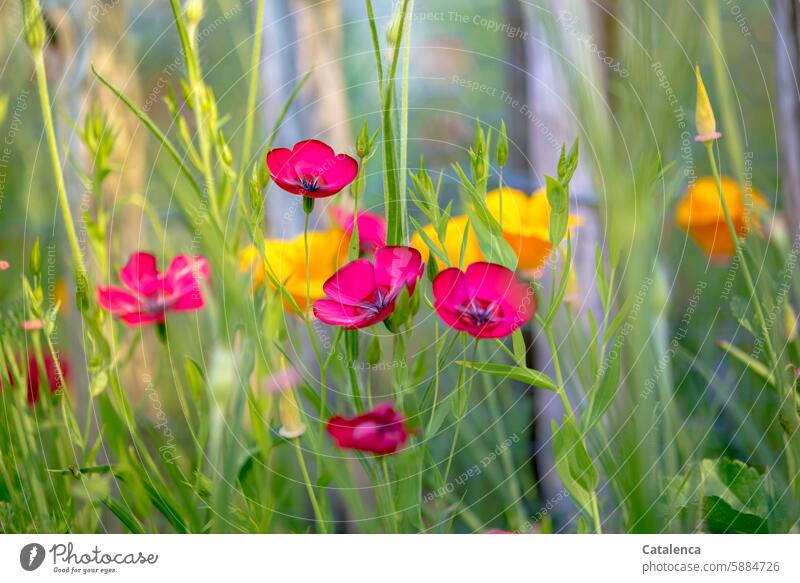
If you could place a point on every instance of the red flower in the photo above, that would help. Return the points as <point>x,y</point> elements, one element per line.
<point>53,380</point>
<point>486,301</point>
<point>380,431</point>
<point>362,294</point>
<point>371,228</point>
<point>311,169</point>
<point>150,294</point>
<point>34,376</point>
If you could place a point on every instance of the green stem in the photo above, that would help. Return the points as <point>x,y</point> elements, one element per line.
<point>464,387</point>
<point>562,393</point>
<point>252,93</point>
<point>309,487</point>
<point>762,322</point>
<point>49,128</point>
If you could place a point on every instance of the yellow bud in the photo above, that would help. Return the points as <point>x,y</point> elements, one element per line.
<point>790,321</point>
<point>291,422</point>
<point>194,11</point>
<point>705,122</point>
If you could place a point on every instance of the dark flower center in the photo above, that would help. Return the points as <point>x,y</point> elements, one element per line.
<point>159,302</point>
<point>480,313</point>
<point>310,183</point>
<point>377,302</point>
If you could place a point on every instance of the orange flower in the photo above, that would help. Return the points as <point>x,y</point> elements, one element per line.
<point>700,214</point>
<point>454,236</point>
<point>526,224</point>
<point>327,252</point>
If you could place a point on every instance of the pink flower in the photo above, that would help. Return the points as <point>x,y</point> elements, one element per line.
<point>33,325</point>
<point>150,294</point>
<point>5,265</point>
<point>486,301</point>
<point>34,376</point>
<point>371,228</point>
<point>311,169</point>
<point>380,431</point>
<point>51,372</point>
<point>362,294</point>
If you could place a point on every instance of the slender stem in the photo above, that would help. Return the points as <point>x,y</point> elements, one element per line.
<point>389,494</point>
<point>308,266</point>
<point>788,407</point>
<point>376,45</point>
<point>507,460</point>
<point>500,195</point>
<point>252,93</point>
<point>596,515</point>
<point>745,268</point>
<point>463,386</point>
<point>562,393</point>
<point>309,487</point>
<point>49,128</point>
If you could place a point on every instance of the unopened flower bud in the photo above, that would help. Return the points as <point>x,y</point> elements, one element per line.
<point>705,121</point>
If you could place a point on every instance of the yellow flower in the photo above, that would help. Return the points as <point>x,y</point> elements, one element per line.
<point>327,252</point>
<point>704,120</point>
<point>700,214</point>
<point>526,224</point>
<point>454,236</point>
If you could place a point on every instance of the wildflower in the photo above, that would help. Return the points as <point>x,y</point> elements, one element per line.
<point>380,431</point>
<point>371,228</point>
<point>526,224</point>
<point>454,236</point>
<point>705,122</point>
<point>311,169</point>
<point>34,376</point>
<point>51,376</point>
<point>327,251</point>
<point>30,325</point>
<point>486,300</point>
<point>151,294</point>
<point>4,265</point>
<point>361,293</point>
<point>701,215</point>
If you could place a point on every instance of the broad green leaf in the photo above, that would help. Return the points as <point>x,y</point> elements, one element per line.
<point>721,518</point>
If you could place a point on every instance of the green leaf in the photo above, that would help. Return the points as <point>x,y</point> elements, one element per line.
<point>194,376</point>
<point>561,452</point>
<point>721,518</point>
<point>740,485</point>
<point>518,373</point>
<point>125,516</point>
<point>518,344</point>
<point>433,247</point>
<point>751,363</point>
<point>602,397</point>
<point>580,464</point>
<point>567,163</point>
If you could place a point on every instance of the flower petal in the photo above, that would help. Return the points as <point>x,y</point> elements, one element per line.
<point>338,174</point>
<point>352,284</point>
<point>142,318</point>
<point>184,272</point>
<point>338,314</point>
<point>117,300</point>
<point>396,267</point>
<point>140,274</point>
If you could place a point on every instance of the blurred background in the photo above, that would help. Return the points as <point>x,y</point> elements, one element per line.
<point>617,75</point>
